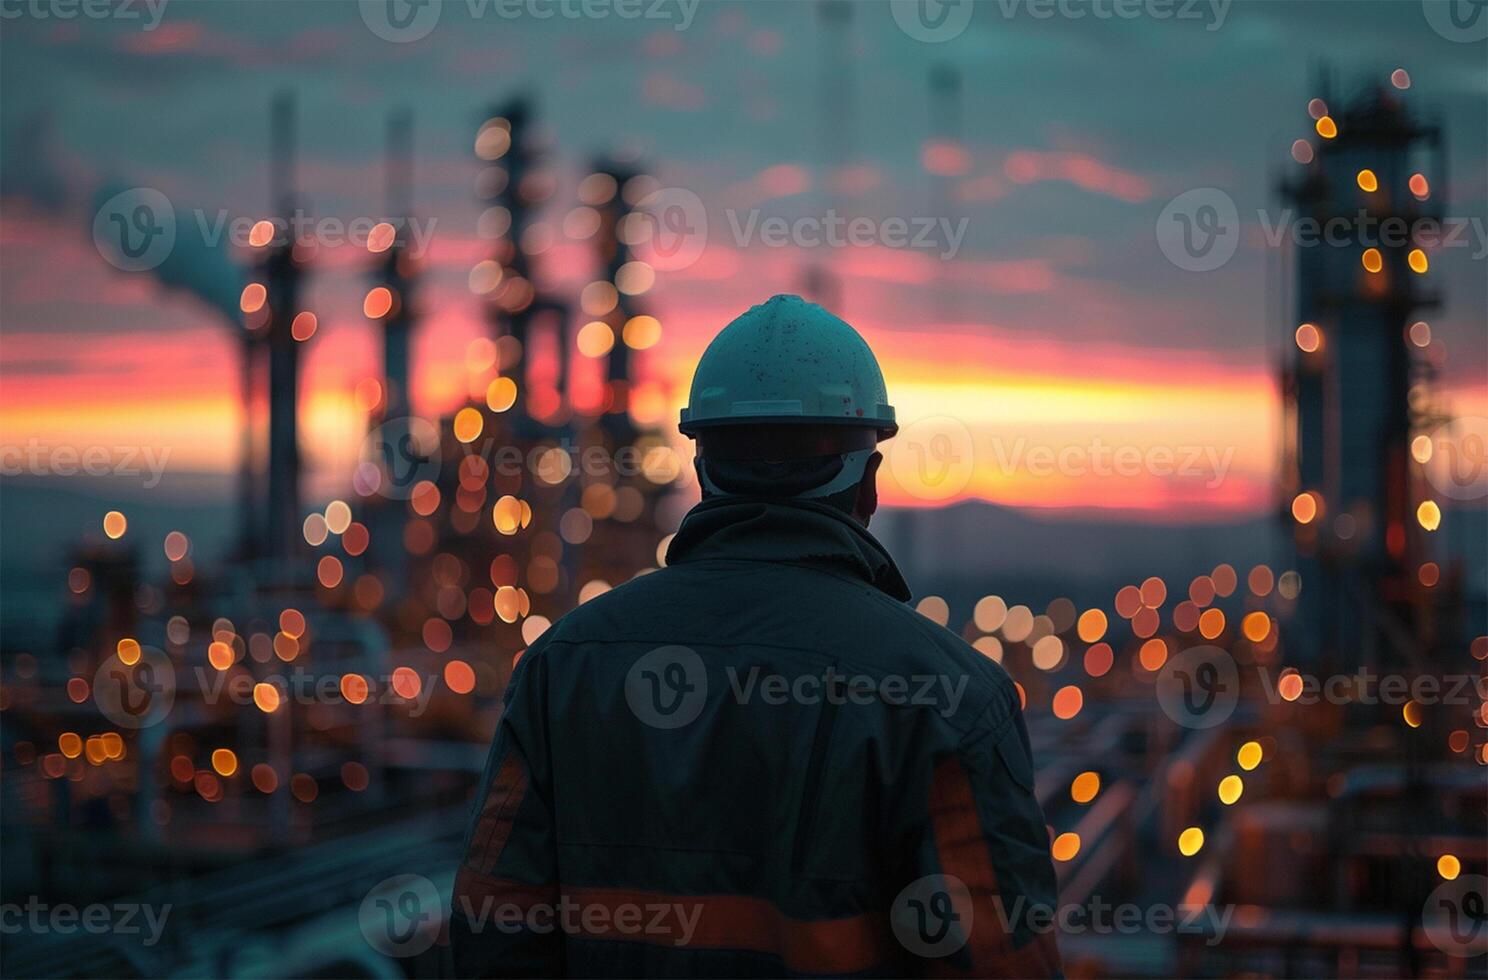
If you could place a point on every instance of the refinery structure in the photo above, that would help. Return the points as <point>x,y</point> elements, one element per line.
<point>272,739</point>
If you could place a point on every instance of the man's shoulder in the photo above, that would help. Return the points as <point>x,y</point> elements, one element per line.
<point>866,631</point>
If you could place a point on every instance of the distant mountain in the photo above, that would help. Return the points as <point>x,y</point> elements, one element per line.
<point>972,549</point>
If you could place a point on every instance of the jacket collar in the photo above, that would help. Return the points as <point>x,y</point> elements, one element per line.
<point>797,532</point>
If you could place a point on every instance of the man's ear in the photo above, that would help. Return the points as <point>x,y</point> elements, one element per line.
<point>867,503</point>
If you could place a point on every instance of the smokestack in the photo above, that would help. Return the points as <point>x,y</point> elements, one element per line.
<point>281,274</point>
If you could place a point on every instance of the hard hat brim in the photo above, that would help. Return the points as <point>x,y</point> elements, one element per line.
<point>887,427</point>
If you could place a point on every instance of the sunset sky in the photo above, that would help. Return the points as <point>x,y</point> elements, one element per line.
<point>1058,322</point>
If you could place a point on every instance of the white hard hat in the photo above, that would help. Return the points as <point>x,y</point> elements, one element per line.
<point>788,361</point>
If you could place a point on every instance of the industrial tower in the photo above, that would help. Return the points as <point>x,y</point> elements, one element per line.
<point>1354,383</point>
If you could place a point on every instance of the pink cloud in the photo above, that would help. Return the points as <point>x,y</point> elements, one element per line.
<point>1080,169</point>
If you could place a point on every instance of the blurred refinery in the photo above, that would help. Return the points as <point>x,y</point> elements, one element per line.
<point>261,743</point>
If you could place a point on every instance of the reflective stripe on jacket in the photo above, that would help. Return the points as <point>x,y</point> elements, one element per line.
<point>757,761</point>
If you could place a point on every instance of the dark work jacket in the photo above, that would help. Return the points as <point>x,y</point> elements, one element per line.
<point>757,761</point>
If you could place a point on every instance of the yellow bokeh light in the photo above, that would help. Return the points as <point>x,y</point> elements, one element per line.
<point>634,278</point>
<point>468,424</point>
<point>219,655</point>
<point>598,298</point>
<point>255,294</point>
<point>1190,842</point>
<point>1085,787</point>
<point>934,608</point>
<point>128,650</point>
<point>641,332</point>
<point>1153,654</point>
<point>1449,866</point>
<point>1305,507</point>
<point>1249,755</point>
<point>507,603</point>
<point>1418,261</point>
<point>1368,182</point>
<point>1047,653</point>
<point>507,515</point>
<point>1091,626</point>
<point>1429,515</point>
<point>115,524</point>
<point>378,304</point>
<point>225,761</point>
<point>595,338</point>
<point>1230,789</point>
<point>501,394</point>
<point>381,237</point>
<point>1065,846</point>
<point>1326,127</point>
<point>990,613</point>
<point>1373,260</point>
<point>337,516</point>
<point>1255,626</point>
<point>1309,338</point>
<point>1067,702</point>
<point>266,696</point>
<point>302,328</point>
